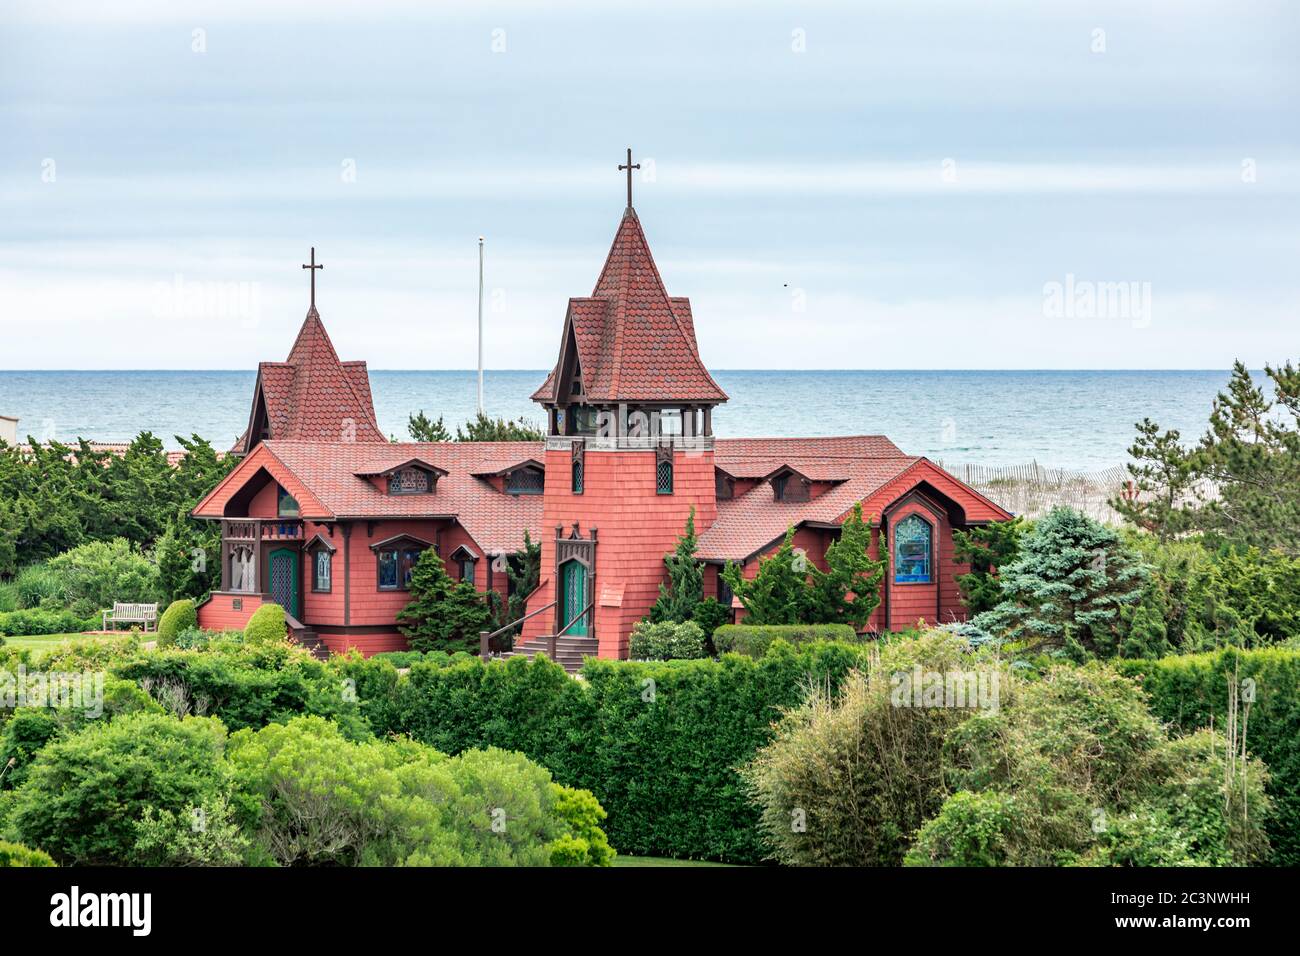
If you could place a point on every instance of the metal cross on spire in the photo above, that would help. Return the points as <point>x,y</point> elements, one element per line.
<point>313,267</point>
<point>629,167</point>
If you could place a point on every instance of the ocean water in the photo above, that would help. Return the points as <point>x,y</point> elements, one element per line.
<point>1067,419</point>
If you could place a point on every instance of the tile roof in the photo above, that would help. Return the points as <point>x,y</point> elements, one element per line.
<point>862,464</point>
<point>332,474</point>
<point>312,395</point>
<point>634,341</point>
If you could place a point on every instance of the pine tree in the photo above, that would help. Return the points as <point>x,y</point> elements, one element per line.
<point>986,548</point>
<point>443,614</point>
<point>422,428</point>
<point>849,590</point>
<point>779,593</point>
<point>1068,588</point>
<point>1250,454</point>
<point>685,587</point>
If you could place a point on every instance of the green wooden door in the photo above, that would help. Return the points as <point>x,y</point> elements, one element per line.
<point>284,580</point>
<point>573,591</point>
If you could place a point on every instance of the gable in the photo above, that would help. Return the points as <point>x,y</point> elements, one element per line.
<point>249,477</point>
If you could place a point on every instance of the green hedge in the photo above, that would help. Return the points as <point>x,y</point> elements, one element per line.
<point>1186,690</point>
<point>755,639</point>
<point>37,621</point>
<point>658,742</point>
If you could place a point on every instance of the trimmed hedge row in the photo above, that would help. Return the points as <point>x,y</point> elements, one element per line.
<point>657,742</point>
<point>1186,690</point>
<point>39,621</point>
<point>754,639</point>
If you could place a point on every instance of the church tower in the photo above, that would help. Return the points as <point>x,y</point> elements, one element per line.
<point>629,449</point>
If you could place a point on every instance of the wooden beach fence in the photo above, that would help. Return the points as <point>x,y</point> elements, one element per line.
<point>1033,489</point>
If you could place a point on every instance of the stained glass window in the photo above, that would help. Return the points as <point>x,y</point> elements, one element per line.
<point>388,570</point>
<point>321,567</point>
<point>395,567</point>
<point>577,477</point>
<point>912,548</point>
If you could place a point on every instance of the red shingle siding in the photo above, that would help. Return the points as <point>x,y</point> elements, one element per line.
<point>219,614</point>
<point>636,528</point>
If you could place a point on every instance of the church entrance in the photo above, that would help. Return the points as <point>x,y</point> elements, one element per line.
<point>573,597</point>
<point>284,580</point>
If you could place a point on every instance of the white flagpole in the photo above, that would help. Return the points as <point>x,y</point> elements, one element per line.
<point>480,325</point>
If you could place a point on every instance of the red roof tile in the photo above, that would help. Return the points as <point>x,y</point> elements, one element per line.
<point>866,466</point>
<point>332,474</point>
<point>312,395</point>
<point>634,341</point>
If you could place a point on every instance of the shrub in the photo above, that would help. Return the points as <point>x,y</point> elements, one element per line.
<point>8,597</point>
<point>247,687</point>
<point>399,658</point>
<point>851,774</point>
<point>205,836</point>
<point>84,792</point>
<point>666,641</point>
<point>443,614</point>
<point>34,622</point>
<point>583,842</point>
<point>15,854</point>
<point>95,575</point>
<point>312,798</point>
<point>180,616</point>
<point>1078,771</point>
<point>267,625</point>
<point>694,721</point>
<point>36,584</point>
<point>1189,692</point>
<point>754,639</point>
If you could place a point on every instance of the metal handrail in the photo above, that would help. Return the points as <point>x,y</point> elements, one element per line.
<point>501,630</point>
<point>585,612</point>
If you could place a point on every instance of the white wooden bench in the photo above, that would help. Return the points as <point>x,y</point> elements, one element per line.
<point>145,615</point>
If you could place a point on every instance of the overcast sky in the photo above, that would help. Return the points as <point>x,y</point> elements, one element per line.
<point>903,185</point>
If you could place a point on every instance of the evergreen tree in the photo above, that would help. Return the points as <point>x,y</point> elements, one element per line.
<point>849,589</point>
<point>443,614</point>
<point>523,571</point>
<point>1250,455</point>
<point>685,587</point>
<point>1068,588</point>
<point>422,428</point>
<point>483,428</point>
<point>780,592</point>
<point>986,548</point>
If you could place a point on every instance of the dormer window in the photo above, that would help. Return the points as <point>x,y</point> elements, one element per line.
<point>789,485</point>
<point>410,481</point>
<point>412,477</point>
<point>525,481</point>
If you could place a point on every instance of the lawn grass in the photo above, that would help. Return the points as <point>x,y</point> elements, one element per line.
<point>622,860</point>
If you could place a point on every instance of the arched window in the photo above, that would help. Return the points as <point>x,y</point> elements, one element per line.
<point>664,476</point>
<point>913,545</point>
<point>577,476</point>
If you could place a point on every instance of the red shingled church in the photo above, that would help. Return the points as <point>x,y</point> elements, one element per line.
<point>326,517</point>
